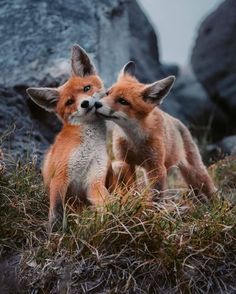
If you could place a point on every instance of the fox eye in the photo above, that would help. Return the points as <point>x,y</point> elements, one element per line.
<point>69,102</point>
<point>87,88</point>
<point>123,101</point>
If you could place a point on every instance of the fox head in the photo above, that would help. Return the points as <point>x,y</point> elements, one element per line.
<point>73,101</point>
<point>128,99</point>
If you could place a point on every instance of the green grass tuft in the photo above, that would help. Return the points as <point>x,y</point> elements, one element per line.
<point>179,246</point>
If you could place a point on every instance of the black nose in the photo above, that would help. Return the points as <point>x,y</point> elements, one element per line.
<point>85,104</point>
<point>98,104</point>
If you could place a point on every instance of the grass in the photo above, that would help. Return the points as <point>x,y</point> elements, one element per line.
<point>179,246</point>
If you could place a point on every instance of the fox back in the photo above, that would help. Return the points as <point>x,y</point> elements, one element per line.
<point>149,137</point>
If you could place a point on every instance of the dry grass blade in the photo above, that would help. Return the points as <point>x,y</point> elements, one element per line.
<point>178,246</point>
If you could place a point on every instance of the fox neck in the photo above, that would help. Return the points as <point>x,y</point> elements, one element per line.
<point>90,128</point>
<point>134,132</point>
<point>96,128</point>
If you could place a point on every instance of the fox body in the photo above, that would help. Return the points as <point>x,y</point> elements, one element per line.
<point>147,136</point>
<point>77,164</point>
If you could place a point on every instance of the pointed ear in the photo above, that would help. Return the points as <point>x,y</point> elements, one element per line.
<point>129,68</point>
<point>46,98</point>
<point>81,63</point>
<point>156,92</point>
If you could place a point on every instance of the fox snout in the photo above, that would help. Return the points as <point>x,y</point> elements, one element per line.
<point>84,104</point>
<point>98,104</point>
<point>92,101</point>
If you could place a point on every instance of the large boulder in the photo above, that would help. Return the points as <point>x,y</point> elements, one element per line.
<point>222,148</point>
<point>213,58</point>
<point>190,102</point>
<point>21,131</point>
<point>36,37</point>
<point>143,45</point>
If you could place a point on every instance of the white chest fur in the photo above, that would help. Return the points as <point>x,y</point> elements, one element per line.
<point>88,162</point>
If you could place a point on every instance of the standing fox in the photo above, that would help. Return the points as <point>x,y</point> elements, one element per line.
<point>77,163</point>
<point>147,136</point>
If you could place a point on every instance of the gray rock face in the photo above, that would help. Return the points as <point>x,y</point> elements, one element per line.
<point>21,133</point>
<point>213,57</point>
<point>190,102</point>
<point>143,45</point>
<point>224,147</point>
<point>36,37</point>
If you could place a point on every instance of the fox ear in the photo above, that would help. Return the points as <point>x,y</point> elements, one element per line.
<point>156,92</point>
<point>81,63</point>
<point>129,68</point>
<point>46,98</point>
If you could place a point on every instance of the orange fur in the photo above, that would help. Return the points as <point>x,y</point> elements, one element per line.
<point>149,137</point>
<point>56,161</point>
<point>60,168</point>
<point>74,88</point>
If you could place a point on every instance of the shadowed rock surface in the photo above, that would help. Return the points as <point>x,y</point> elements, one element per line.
<point>222,148</point>
<point>36,37</point>
<point>190,102</point>
<point>8,277</point>
<point>213,57</point>
<point>21,132</point>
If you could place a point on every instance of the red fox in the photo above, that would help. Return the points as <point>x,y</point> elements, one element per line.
<point>77,162</point>
<point>147,136</point>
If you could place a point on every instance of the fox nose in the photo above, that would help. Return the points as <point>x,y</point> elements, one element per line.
<point>98,104</point>
<point>85,104</point>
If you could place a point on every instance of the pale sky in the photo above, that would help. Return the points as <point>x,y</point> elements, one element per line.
<point>176,23</point>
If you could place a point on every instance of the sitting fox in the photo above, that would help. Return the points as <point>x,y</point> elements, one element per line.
<point>149,137</point>
<point>77,163</point>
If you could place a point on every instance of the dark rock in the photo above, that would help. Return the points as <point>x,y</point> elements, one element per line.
<point>189,102</point>
<point>222,148</point>
<point>143,45</point>
<point>8,278</point>
<point>213,57</point>
<point>21,133</point>
<point>36,37</point>
<point>170,69</point>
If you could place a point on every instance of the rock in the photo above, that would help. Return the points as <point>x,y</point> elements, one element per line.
<point>38,54</point>
<point>228,145</point>
<point>21,133</point>
<point>9,267</point>
<point>170,69</point>
<point>213,58</point>
<point>190,102</point>
<point>36,37</point>
<point>143,45</point>
<point>222,148</point>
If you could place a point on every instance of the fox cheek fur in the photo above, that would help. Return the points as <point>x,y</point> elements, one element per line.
<point>77,164</point>
<point>148,136</point>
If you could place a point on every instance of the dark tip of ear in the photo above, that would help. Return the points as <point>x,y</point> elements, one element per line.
<point>80,62</point>
<point>30,91</point>
<point>129,68</point>
<point>77,50</point>
<point>172,79</point>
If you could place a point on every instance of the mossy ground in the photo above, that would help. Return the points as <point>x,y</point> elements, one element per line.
<point>181,245</point>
